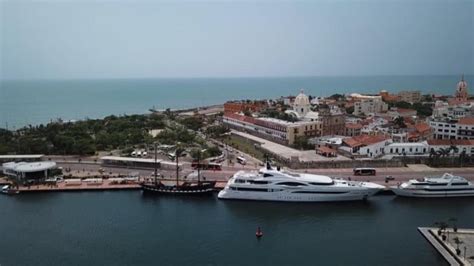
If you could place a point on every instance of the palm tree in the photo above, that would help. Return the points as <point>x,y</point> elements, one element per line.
<point>454,222</point>
<point>442,226</point>
<point>457,241</point>
<point>462,157</point>
<point>454,148</point>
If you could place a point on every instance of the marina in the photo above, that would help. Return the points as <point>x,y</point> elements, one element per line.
<point>132,228</point>
<point>236,133</point>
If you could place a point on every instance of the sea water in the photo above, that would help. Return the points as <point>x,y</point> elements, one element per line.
<point>25,102</point>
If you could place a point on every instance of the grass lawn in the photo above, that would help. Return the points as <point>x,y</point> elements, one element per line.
<point>244,145</point>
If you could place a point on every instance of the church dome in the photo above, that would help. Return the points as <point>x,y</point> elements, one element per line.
<point>301,99</point>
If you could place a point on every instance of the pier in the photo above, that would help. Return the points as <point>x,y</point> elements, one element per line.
<point>447,248</point>
<point>102,186</point>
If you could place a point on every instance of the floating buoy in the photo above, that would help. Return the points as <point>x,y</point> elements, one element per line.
<point>259,232</point>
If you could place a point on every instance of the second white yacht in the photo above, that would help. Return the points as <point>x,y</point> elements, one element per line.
<point>436,187</point>
<point>279,185</point>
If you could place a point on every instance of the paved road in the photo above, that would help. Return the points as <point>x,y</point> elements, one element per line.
<point>400,174</point>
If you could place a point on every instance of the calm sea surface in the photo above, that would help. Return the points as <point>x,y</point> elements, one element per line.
<point>130,228</point>
<point>39,101</point>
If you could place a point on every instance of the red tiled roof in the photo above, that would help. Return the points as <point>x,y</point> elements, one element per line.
<point>326,149</point>
<point>364,140</point>
<point>352,142</point>
<point>448,142</point>
<point>466,121</point>
<point>413,135</point>
<point>242,118</point>
<point>422,127</point>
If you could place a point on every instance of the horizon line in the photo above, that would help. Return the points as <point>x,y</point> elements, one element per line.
<point>226,77</point>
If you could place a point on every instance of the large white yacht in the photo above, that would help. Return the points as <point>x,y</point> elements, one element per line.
<point>280,185</point>
<point>447,185</point>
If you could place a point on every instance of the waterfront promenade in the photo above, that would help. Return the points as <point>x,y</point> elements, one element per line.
<point>91,170</point>
<point>447,248</point>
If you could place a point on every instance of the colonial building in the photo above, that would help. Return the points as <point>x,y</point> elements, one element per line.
<point>334,122</point>
<point>407,148</point>
<point>302,108</point>
<point>273,129</point>
<point>353,129</point>
<point>365,145</point>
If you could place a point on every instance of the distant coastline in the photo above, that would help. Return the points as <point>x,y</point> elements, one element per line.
<point>39,101</point>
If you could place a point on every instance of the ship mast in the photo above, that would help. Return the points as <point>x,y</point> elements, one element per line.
<point>177,167</point>
<point>177,153</point>
<point>155,165</point>
<point>199,167</point>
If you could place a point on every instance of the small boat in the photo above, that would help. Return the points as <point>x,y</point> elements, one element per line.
<point>447,185</point>
<point>9,190</point>
<point>259,232</point>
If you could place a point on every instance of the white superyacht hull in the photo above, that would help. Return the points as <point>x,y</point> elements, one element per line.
<point>297,197</point>
<point>419,193</point>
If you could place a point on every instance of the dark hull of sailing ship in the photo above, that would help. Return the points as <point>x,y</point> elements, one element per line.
<point>186,188</point>
<point>205,187</point>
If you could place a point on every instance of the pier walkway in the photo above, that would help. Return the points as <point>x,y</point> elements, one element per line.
<point>447,248</point>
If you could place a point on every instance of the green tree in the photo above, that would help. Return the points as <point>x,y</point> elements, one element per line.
<point>301,143</point>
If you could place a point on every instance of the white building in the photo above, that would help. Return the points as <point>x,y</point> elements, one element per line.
<point>24,171</point>
<point>407,148</point>
<point>368,104</point>
<point>462,128</point>
<point>444,110</point>
<point>444,129</point>
<point>466,145</point>
<point>465,128</point>
<point>365,145</point>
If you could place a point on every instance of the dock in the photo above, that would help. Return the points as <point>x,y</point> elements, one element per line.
<point>105,185</point>
<point>447,248</point>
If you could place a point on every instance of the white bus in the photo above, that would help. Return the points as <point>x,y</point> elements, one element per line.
<point>364,171</point>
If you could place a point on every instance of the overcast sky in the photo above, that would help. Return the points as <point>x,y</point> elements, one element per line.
<point>135,39</point>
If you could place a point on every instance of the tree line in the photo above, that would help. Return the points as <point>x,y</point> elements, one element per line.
<point>81,137</point>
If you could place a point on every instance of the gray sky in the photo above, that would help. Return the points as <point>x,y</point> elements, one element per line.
<point>123,39</point>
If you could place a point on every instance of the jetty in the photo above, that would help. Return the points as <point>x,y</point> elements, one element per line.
<point>92,184</point>
<point>462,239</point>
